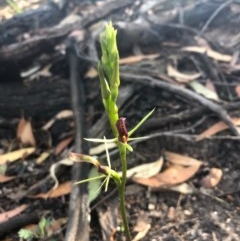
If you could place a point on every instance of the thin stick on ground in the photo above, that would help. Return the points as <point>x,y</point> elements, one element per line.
<point>78,222</point>
<point>153,82</point>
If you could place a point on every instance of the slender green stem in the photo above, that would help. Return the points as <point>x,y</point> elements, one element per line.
<point>121,193</point>
<point>123,156</point>
<point>121,189</point>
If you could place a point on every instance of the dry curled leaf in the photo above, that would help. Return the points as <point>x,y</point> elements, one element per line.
<point>237,90</point>
<point>12,213</point>
<point>62,145</point>
<point>209,52</point>
<point>181,77</point>
<point>61,190</point>
<point>25,132</point>
<point>137,58</point>
<point>173,175</point>
<point>213,178</point>
<point>183,188</point>
<point>4,178</point>
<point>62,114</point>
<point>91,73</point>
<point>216,128</point>
<point>145,170</point>
<point>42,157</point>
<point>209,85</point>
<point>16,155</point>
<point>142,226</point>
<point>182,160</point>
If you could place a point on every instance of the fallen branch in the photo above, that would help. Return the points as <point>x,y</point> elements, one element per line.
<point>78,217</point>
<point>217,109</point>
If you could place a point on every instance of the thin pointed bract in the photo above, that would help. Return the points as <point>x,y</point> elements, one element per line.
<point>141,122</point>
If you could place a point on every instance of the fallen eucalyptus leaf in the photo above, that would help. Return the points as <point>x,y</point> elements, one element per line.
<point>216,128</point>
<point>213,178</point>
<point>182,160</point>
<point>181,77</point>
<point>173,175</point>
<point>16,155</point>
<point>145,170</point>
<point>201,89</point>
<point>209,52</point>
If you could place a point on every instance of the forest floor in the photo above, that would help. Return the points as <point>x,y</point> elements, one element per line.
<point>190,187</point>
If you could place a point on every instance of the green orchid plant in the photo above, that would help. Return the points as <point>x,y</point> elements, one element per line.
<point>108,69</point>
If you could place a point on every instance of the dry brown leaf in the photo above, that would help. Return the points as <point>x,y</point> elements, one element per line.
<point>62,145</point>
<point>12,213</point>
<point>237,90</point>
<point>216,128</point>
<point>16,155</point>
<point>173,175</point>
<point>137,58</point>
<point>4,178</point>
<point>142,227</point>
<point>171,213</point>
<point>210,86</point>
<point>213,178</point>
<point>61,190</point>
<point>202,42</point>
<point>145,170</point>
<point>91,73</point>
<point>183,188</point>
<point>42,157</point>
<point>25,132</point>
<point>180,77</point>
<point>62,114</point>
<point>182,160</point>
<point>45,72</point>
<point>142,221</point>
<point>55,225</point>
<point>209,52</point>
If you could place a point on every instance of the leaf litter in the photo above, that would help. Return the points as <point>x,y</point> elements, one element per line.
<point>213,175</point>
<point>180,169</point>
<point>25,132</point>
<point>216,128</point>
<point>4,216</point>
<point>16,155</point>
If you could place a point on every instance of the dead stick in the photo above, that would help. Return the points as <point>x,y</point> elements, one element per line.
<point>16,223</point>
<point>150,81</point>
<point>216,12</point>
<point>78,217</point>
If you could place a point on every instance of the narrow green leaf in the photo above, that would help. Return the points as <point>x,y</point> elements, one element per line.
<point>141,122</point>
<point>104,84</point>
<point>94,186</point>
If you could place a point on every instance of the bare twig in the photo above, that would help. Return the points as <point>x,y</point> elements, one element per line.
<point>78,222</point>
<point>18,222</point>
<point>217,109</point>
<point>215,13</point>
